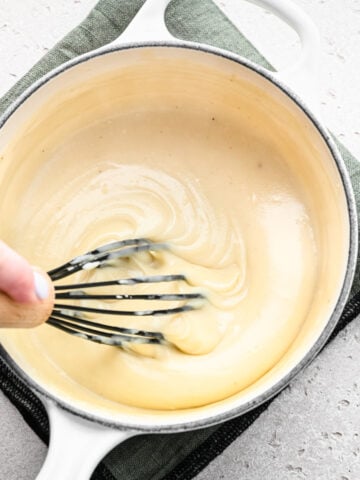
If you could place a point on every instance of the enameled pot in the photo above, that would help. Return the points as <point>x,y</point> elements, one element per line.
<point>81,436</point>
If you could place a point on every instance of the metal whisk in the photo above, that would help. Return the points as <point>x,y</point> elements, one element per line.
<point>73,319</point>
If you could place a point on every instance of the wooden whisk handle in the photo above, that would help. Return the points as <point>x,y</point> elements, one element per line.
<point>25,315</point>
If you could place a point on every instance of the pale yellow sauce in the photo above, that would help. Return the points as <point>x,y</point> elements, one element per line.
<point>241,227</point>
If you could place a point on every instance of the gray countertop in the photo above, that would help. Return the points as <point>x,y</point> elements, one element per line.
<point>312,430</point>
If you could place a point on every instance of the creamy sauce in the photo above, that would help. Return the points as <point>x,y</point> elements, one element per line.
<point>235,214</point>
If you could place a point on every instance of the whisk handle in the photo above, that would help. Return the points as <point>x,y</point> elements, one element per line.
<point>20,315</point>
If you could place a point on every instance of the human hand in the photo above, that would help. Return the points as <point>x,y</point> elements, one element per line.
<point>26,293</point>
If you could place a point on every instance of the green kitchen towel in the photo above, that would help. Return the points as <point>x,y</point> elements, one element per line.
<point>172,456</point>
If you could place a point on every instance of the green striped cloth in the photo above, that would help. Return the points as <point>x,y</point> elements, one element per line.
<point>173,456</point>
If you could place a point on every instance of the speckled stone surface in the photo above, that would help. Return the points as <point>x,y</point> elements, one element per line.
<point>312,430</point>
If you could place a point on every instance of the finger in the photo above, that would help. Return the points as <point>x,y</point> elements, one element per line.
<point>16,276</point>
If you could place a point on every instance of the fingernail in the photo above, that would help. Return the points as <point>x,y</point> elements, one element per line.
<point>41,286</point>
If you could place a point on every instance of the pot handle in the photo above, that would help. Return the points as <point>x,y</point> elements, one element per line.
<point>302,75</point>
<point>76,445</point>
<point>149,25</point>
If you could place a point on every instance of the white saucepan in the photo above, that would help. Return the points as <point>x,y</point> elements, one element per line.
<point>80,434</point>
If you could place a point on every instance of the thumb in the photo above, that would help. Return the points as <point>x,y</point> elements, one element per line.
<point>26,294</point>
<point>14,314</point>
<point>16,276</point>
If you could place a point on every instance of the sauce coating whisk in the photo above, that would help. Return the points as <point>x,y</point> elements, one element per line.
<point>73,319</point>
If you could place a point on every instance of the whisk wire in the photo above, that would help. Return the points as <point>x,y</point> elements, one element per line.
<point>100,256</point>
<point>129,313</point>
<point>99,336</point>
<point>70,318</point>
<point>56,314</point>
<point>124,281</point>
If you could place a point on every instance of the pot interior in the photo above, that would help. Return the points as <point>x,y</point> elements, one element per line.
<point>145,104</point>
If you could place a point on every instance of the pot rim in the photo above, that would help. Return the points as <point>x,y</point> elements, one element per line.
<point>229,412</point>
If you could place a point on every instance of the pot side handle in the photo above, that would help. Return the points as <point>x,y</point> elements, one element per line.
<point>76,445</point>
<point>302,75</point>
<point>149,25</point>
